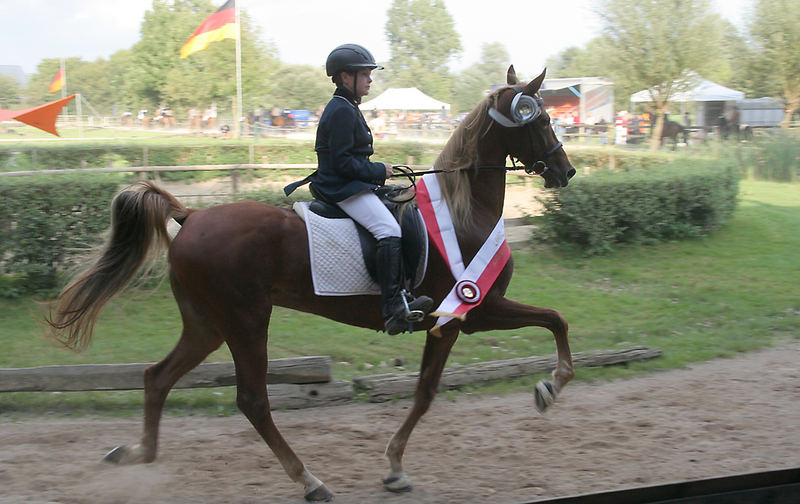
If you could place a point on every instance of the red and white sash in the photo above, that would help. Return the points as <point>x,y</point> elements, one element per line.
<point>473,281</point>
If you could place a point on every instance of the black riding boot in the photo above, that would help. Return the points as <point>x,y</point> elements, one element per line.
<point>389,274</point>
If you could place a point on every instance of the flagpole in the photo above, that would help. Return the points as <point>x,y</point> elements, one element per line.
<point>63,67</point>
<point>78,111</point>
<point>238,112</point>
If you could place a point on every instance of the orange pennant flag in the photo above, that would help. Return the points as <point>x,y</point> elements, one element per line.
<point>42,117</point>
<point>218,26</point>
<point>58,81</point>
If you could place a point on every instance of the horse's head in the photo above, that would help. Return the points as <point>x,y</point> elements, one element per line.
<point>526,133</point>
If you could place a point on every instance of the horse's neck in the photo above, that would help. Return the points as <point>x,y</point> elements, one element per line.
<point>488,191</point>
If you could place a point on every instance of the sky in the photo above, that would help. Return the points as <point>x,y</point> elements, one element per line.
<point>304,31</point>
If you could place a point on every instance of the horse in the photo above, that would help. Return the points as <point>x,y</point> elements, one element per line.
<point>230,264</point>
<point>728,123</point>
<point>671,129</point>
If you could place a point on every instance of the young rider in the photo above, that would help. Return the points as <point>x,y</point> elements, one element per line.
<point>347,177</point>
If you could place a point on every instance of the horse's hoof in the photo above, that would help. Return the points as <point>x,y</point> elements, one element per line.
<point>544,395</point>
<point>397,484</point>
<point>320,494</point>
<point>117,455</point>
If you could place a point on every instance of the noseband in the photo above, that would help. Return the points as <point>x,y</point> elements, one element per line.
<point>540,164</point>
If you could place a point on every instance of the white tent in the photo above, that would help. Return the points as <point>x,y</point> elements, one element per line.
<point>703,91</point>
<point>404,99</point>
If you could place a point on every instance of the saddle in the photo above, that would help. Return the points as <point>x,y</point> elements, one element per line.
<point>414,239</point>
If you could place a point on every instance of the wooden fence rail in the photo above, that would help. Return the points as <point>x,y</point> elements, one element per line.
<point>136,169</point>
<point>301,382</point>
<point>385,387</point>
<point>86,377</point>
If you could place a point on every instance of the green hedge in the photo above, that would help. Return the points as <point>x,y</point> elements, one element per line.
<point>641,206</point>
<point>604,159</point>
<point>47,221</point>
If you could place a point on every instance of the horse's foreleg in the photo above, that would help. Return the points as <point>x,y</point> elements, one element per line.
<point>249,351</point>
<point>502,313</point>
<point>434,358</point>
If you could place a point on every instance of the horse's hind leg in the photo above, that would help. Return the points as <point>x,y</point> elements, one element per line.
<point>434,358</point>
<point>196,342</point>
<point>249,349</point>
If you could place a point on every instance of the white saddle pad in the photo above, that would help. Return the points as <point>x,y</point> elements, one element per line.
<point>337,264</point>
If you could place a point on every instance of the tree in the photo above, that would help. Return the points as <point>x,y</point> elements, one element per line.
<point>593,61</point>
<point>301,87</point>
<point>423,39</point>
<point>119,69</point>
<point>9,91</point>
<point>37,92</point>
<point>576,62</point>
<point>158,75</point>
<point>775,31</point>
<point>470,84</point>
<point>656,45</point>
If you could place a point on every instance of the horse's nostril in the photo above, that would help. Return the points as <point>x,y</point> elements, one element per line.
<point>570,173</point>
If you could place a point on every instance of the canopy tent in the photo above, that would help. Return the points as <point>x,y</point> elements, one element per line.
<point>703,91</point>
<point>706,101</point>
<point>404,99</point>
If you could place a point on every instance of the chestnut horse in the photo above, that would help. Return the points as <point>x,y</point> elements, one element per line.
<point>230,264</point>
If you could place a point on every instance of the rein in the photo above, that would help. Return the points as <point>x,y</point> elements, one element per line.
<point>408,172</point>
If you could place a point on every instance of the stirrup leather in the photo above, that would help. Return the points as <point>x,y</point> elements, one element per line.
<point>410,315</point>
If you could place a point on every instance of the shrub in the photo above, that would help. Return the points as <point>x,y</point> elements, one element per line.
<point>641,206</point>
<point>778,157</point>
<point>46,222</point>
<point>773,155</point>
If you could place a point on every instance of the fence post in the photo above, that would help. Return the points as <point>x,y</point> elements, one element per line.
<point>142,175</point>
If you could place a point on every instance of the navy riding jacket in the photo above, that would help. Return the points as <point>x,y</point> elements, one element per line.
<point>343,146</point>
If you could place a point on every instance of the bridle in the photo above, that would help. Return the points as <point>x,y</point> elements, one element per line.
<point>524,111</point>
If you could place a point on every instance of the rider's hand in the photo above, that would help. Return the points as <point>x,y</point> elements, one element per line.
<point>388,170</point>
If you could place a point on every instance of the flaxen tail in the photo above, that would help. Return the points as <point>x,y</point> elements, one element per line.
<point>139,217</point>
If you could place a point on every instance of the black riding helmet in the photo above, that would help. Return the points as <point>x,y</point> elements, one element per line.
<point>349,58</point>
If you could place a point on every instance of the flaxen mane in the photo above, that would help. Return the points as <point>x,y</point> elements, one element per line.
<point>461,153</point>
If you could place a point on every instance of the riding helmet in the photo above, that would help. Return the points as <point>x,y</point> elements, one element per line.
<point>349,58</point>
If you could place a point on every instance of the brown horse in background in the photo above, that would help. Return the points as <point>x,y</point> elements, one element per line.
<point>671,129</point>
<point>230,264</point>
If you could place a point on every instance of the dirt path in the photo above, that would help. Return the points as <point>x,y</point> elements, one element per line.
<point>721,417</point>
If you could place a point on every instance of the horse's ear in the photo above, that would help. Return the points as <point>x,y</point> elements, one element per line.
<point>534,85</point>
<point>511,76</point>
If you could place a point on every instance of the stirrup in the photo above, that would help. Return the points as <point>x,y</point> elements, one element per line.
<point>410,315</point>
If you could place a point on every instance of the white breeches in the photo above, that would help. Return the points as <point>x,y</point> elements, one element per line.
<point>368,210</point>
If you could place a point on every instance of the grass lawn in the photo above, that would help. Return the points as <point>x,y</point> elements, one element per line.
<point>735,291</point>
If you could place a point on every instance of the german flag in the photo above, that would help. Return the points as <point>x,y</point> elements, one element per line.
<point>58,82</point>
<point>218,26</point>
